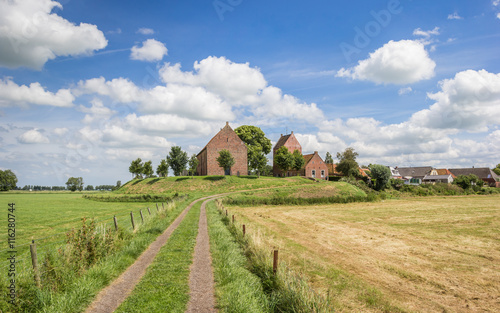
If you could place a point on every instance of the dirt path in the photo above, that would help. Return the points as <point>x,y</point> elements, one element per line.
<point>201,278</point>
<point>112,296</point>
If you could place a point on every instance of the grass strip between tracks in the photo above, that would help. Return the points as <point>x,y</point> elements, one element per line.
<point>165,286</point>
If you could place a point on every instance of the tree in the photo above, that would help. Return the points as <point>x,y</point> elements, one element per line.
<point>8,180</point>
<point>284,159</point>
<point>162,169</point>
<point>468,181</point>
<point>136,168</point>
<point>225,160</point>
<point>177,160</point>
<point>118,185</point>
<point>381,174</point>
<point>298,160</point>
<point>147,169</point>
<point>497,169</point>
<point>328,158</point>
<point>258,145</point>
<point>75,183</point>
<point>193,164</point>
<point>89,188</point>
<point>257,161</point>
<point>347,163</point>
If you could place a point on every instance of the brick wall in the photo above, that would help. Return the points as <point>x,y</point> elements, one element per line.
<point>226,139</point>
<point>317,164</point>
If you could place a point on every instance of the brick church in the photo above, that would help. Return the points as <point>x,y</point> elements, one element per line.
<point>226,139</point>
<point>314,166</point>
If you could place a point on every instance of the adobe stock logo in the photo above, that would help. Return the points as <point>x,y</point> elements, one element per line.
<point>221,7</point>
<point>373,28</point>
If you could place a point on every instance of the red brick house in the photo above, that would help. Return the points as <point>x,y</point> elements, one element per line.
<point>226,139</point>
<point>314,167</point>
<point>292,144</point>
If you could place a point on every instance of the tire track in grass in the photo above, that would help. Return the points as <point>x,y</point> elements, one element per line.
<point>201,278</point>
<point>112,296</point>
<point>165,286</point>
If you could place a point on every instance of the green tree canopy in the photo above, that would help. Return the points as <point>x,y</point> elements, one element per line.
<point>284,159</point>
<point>467,181</point>
<point>177,160</point>
<point>162,169</point>
<point>225,160</point>
<point>258,145</point>
<point>381,174</point>
<point>347,163</point>
<point>147,169</point>
<point>298,160</point>
<point>193,164</point>
<point>136,168</point>
<point>75,183</point>
<point>328,158</point>
<point>497,169</point>
<point>8,180</point>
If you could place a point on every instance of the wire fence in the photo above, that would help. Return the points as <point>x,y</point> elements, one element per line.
<point>292,279</point>
<point>27,254</point>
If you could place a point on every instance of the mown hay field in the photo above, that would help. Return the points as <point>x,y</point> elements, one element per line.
<point>430,254</point>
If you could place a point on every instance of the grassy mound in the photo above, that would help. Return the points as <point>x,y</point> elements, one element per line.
<point>206,185</point>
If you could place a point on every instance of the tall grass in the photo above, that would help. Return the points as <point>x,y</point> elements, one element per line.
<point>287,290</point>
<point>288,200</point>
<point>237,289</point>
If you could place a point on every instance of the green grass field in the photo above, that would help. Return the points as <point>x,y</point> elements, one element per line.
<point>42,215</point>
<point>207,185</point>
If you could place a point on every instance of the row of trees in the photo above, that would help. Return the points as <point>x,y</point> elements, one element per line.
<point>177,160</point>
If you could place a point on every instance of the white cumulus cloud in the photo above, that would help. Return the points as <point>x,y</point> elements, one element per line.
<point>120,89</point>
<point>12,94</point>
<point>145,31</point>
<point>397,62</point>
<point>30,34</point>
<point>404,91</point>
<point>426,33</point>
<point>469,101</point>
<point>454,16</point>
<point>96,112</point>
<point>238,83</point>
<point>151,51</point>
<point>32,137</point>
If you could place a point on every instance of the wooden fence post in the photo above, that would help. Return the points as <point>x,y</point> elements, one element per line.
<point>132,219</point>
<point>157,207</point>
<point>226,212</point>
<point>142,217</point>
<point>116,222</point>
<point>163,205</point>
<point>233,218</point>
<point>244,230</point>
<point>149,211</point>
<point>275,261</point>
<point>34,261</point>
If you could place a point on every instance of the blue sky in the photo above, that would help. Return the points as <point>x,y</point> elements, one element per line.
<point>88,86</point>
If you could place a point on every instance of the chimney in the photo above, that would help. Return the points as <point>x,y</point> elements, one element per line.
<point>315,152</point>
<point>292,132</point>
<point>227,123</point>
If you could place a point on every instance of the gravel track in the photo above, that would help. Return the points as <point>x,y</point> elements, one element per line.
<point>112,296</point>
<point>201,278</point>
